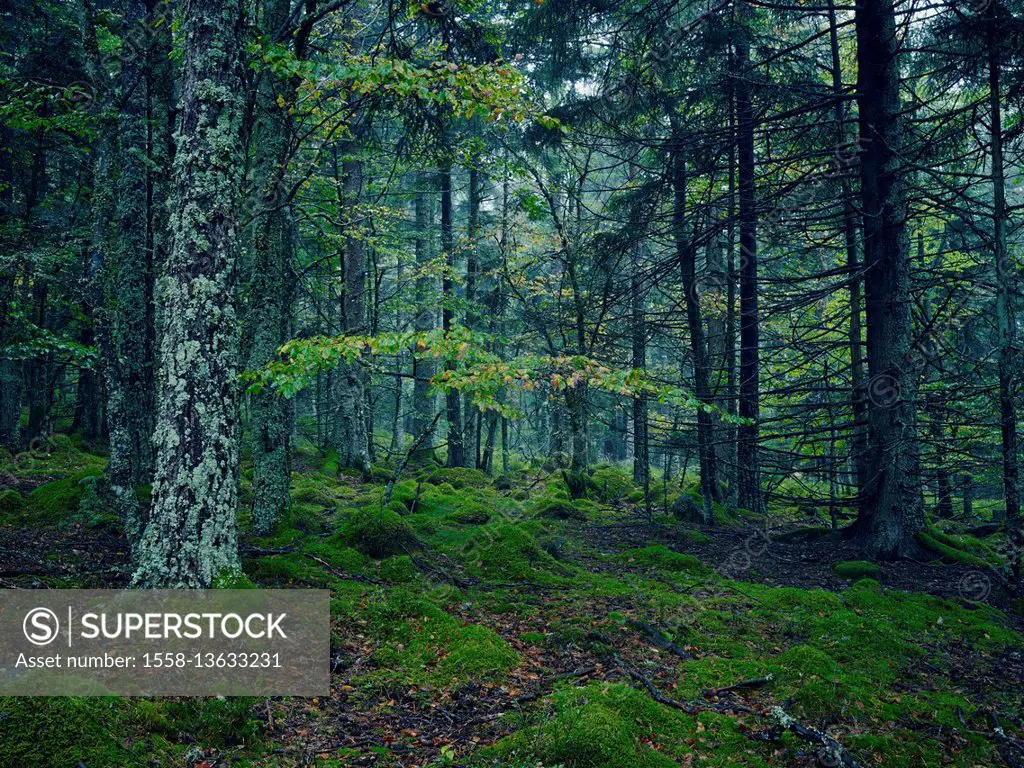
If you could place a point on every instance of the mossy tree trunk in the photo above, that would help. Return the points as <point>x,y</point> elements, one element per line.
<point>423,369</point>
<point>349,436</point>
<point>191,536</point>
<point>120,263</point>
<point>268,312</point>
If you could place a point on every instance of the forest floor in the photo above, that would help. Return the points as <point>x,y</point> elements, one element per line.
<point>475,625</point>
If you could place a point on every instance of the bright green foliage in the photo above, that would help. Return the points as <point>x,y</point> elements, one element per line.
<point>856,569</point>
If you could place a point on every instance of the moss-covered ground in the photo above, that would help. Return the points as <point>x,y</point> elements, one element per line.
<point>482,623</point>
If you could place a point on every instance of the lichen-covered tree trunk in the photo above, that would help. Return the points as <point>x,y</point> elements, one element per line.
<point>349,435</point>
<point>120,264</point>
<point>891,510</point>
<point>423,369</point>
<point>268,309</point>
<point>191,536</point>
<point>472,426</point>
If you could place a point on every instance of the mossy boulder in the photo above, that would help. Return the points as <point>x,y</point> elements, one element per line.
<point>509,552</point>
<point>471,513</point>
<point>379,533</point>
<point>459,477</point>
<point>57,501</point>
<point>600,726</point>
<point>399,570</point>
<point>661,557</point>
<point>425,645</point>
<point>562,508</point>
<point>856,569</point>
<point>688,507</point>
<point>611,485</point>
<point>11,503</point>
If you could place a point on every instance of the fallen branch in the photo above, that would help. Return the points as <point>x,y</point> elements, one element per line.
<point>754,682</point>
<point>1011,751</point>
<point>320,561</point>
<point>832,754</point>
<point>659,640</point>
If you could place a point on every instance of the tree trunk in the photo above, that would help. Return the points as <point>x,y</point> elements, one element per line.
<point>858,393</point>
<point>453,406</point>
<point>267,322</point>
<point>698,347</point>
<point>423,404</point>
<point>349,435</point>
<point>748,458</point>
<point>472,431</point>
<point>641,456</point>
<point>191,538</point>
<point>891,511</point>
<point>1005,292</point>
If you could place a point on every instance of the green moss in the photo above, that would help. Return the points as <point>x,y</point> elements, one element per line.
<point>471,514</point>
<point>423,644</point>
<point>11,503</point>
<point>661,557</point>
<point>56,501</point>
<point>611,485</point>
<point>97,732</point>
<point>332,463</point>
<point>215,722</point>
<point>509,552</point>
<point>399,570</point>
<point>379,533</point>
<point>856,569</point>
<point>616,726</point>
<point>950,553</point>
<point>458,477</point>
<point>562,508</point>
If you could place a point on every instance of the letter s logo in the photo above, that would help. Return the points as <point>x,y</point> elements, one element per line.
<point>41,626</point>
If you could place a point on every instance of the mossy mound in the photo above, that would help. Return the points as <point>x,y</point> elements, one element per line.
<point>562,508</point>
<point>661,557</point>
<point>611,485</point>
<point>11,504</point>
<point>424,645</point>
<point>458,477</point>
<point>379,533</point>
<point>57,501</point>
<point>616,726</point>
<point>509,552</point>
<point>471,514</point>
<point>856,569</point>
<point>399,570</point>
